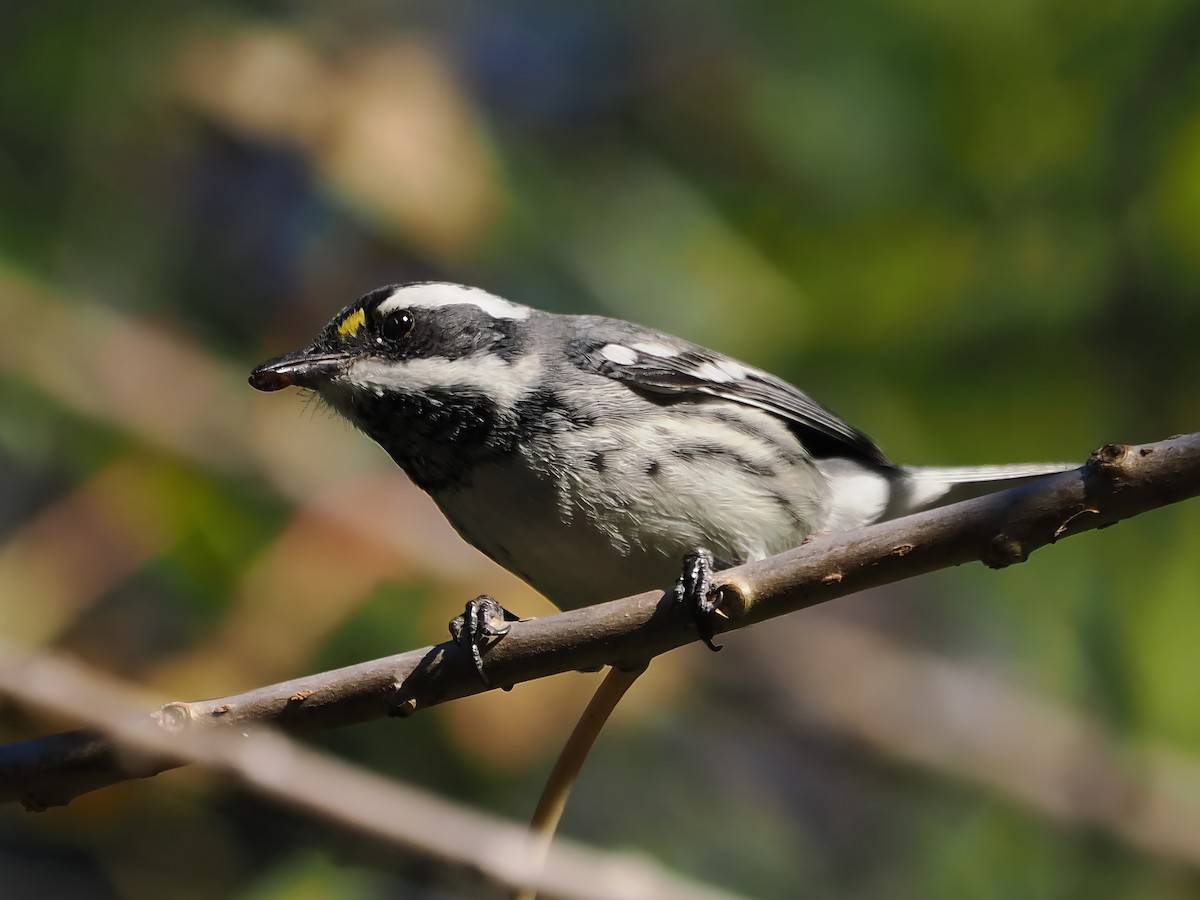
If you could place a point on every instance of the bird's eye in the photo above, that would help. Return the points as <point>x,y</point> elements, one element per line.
<point>397,324</point>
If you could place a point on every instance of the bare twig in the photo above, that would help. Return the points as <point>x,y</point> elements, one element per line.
<point>348,797</point>
<point>571,758</point>
<point>976,727</point>
<point>1001,529</point>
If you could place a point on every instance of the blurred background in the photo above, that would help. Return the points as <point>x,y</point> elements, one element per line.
<point>972,229</point>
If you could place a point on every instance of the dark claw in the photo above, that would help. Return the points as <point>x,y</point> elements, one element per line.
<point>482,620</point>
<point>695,589</point>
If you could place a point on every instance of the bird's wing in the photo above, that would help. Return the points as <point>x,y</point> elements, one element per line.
<point>668,368</point>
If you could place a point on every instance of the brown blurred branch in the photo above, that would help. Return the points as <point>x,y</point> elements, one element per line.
<point>375,806</point>
<point>973,726</point>
<point>1117,483</point>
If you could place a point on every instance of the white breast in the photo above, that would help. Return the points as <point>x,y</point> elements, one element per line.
<point>609,511</point>
<point>516,517</point>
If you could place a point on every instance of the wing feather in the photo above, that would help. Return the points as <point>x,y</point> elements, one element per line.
<point>689,371</point>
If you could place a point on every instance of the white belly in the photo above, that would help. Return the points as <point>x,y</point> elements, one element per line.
<point>517,519</point>
<point>581,533</point>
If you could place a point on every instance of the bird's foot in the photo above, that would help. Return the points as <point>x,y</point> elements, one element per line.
<point>482,620</point>
<point>695,589</point>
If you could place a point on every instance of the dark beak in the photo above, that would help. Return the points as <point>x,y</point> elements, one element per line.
<point>306,368</point>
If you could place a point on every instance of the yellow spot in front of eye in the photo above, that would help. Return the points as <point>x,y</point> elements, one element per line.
<point>349,326</point>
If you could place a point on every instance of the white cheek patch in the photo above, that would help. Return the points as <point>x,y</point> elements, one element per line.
<point>619,354</point>
<point>435,294</point>
<point>504,382</point>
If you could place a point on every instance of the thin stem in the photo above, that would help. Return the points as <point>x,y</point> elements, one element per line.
<point>570,761</point>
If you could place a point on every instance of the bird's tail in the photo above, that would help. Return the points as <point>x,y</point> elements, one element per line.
<point>926,487</point>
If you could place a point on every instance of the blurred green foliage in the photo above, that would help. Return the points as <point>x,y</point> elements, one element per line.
<point>973,229</point>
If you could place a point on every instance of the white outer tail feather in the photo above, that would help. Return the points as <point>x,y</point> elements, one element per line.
<point>926,487</point>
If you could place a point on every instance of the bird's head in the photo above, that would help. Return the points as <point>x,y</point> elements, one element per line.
<point>429,370</point>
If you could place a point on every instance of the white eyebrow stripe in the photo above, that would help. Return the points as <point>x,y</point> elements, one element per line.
<point>504,382</point>
<point>620,354</point>
<point>434,294</point>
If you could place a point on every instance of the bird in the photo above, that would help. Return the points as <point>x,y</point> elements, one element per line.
<point>594,457</point>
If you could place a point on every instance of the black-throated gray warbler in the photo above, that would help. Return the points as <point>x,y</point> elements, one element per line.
<point>589,455</point>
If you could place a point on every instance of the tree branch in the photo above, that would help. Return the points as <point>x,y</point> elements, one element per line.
<point>371,805</point>
<point>1001,529</point>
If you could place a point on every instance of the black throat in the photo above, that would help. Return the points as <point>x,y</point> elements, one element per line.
<point>438,436</point>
